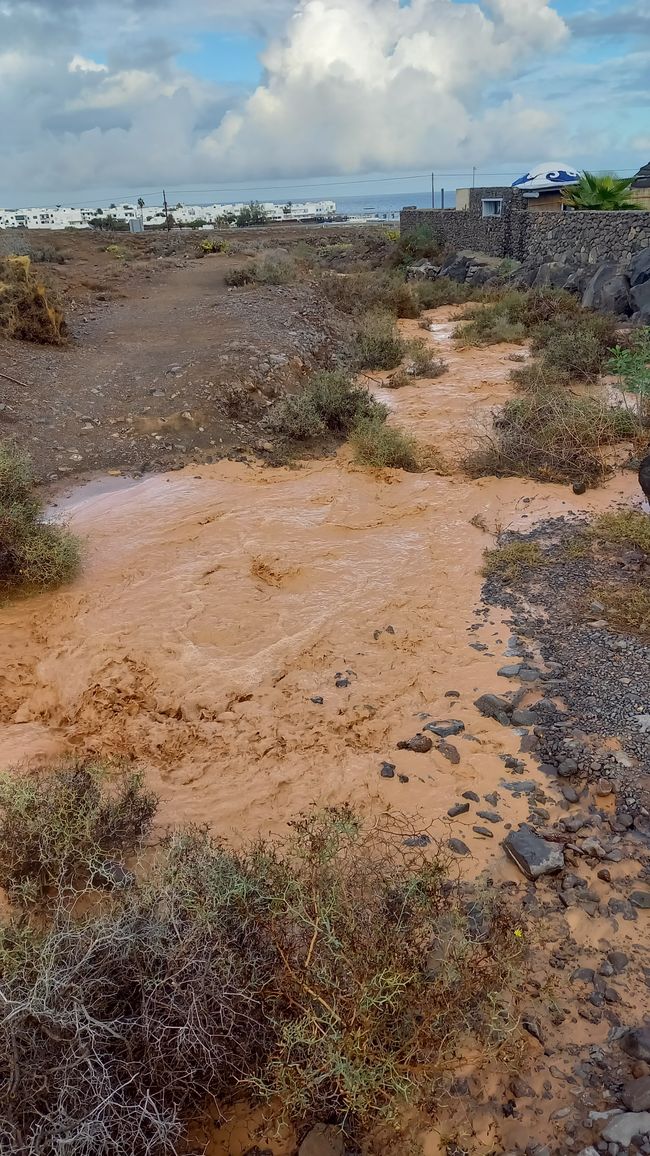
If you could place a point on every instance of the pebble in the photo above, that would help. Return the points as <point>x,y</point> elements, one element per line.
<point>450,752</point>
<point>603,787</point>
<point>491,816</point>
<point>487,834</point>
<point>387,770</point>
<point>417,841</point>
<point>523,718</point>
<point>492,798</point>
<point>452,694</point>
<point>472,796</point>
<point>341,682</point>
<point>570,793</point>
<point>458,809</point>
<point>458,847</point>
<point>510,671</point>
<point>636,1094</point>
<point>446,728</point>
<point>403,778</point>
<point>420,744</point>
<point>619,961</point>
<point>641,899</point>
<point>317,700</point>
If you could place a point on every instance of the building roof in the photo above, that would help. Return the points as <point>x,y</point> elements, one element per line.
<point>547,175</point>
<point>642,178</point>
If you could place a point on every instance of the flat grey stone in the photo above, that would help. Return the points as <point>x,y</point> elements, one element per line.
<point>445,728</point>
<point>510,671</point>
<point>458,847</point>
<point>523,718</point>
<point>494,706</point>
<point>641,899</point>
<point>533,855</point>
<point>636,1094</point>
<point>621,1129</point>
<point>458,809</point>
<point>636,1043</point>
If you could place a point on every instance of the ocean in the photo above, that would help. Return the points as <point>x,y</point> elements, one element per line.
<point>387,206</point>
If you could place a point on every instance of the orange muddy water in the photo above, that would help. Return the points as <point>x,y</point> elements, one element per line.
<point>216,603</point>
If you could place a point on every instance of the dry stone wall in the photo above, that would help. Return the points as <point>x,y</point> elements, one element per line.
<point>577,238</point>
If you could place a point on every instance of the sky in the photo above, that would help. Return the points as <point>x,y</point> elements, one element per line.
<point>281,99</point>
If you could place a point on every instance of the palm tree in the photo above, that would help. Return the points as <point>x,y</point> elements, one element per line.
<point>608,193</point>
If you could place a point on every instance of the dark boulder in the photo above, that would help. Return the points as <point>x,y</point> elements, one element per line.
<point>551,275</point>
<point>576,280</point>
<point>455,268</point>
<point>639,270</point>
<point>608,291</point>
<point>640,296</point>
<point>636,1043</point>
<point>533,855</point>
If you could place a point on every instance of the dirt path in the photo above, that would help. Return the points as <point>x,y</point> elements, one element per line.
<point>263,639</point>
<point>179,368</point>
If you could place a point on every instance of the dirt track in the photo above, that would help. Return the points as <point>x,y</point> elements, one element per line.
<point>166,364</point>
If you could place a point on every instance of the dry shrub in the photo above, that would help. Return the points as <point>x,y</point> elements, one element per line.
<point>28,310</point>
<point>58,829</point>
<point>551,436</point>
<point>339,972</point>
<point>367,291</point>
<point>384,446</point>
<point>34,555</point>
<point>377,343</point>
<point>423,362</point>
<point>444,291</point>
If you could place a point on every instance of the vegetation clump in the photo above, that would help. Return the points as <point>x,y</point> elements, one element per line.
<point>423,362</point>
<point>551,436</point>
<point>607,193</point>
<point>624,527</point>
<point>34,554</point>
<point>29,310</point>
<point>508,560</point>
<point>384,446</point>
<point>626,606</point>
<point>334,972</point>
<point>366,291</point>
<point>377,343</point>
<point>329,403</point>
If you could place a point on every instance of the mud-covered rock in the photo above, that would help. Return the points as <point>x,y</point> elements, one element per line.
<point>533,855</point>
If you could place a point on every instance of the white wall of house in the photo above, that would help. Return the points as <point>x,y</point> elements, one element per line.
<point>62,217</point>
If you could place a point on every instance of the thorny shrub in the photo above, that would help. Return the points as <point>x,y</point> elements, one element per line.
<point>338,972</point>
<point>29,311</point>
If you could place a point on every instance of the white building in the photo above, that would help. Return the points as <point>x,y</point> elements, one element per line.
<point>62,217</point>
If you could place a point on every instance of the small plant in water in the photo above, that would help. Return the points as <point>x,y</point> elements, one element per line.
<point>632,368</point>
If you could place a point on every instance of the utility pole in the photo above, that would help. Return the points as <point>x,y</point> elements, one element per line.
<point>442,198</point>
<point>433,190</point>
<point>473,176</point>
<point>166,212</point>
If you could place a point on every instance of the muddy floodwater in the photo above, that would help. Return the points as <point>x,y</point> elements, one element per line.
<point>217,602</point>
<point>220,604</point>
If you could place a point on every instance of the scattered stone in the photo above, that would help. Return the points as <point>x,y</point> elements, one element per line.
<point>458,847</point>
<point>452,694</point>
<point>620,1129</point>
<point>491,816</point>
<point>641,899</point>
<point>511,670</point>
<point>341,682</point>
<point>579,488</point>
<point>531,1025</point>
<point>567,767</point>
<point>387,770</point>
<point>417,840</point>
<point>523,718</point>
<point>450,752</point>
<point>584,974</point>
<point>529,674</point>
<point>487,834</point>
<point>636,1042</point>
<point>403,778</point>
<point>458,809</point>
<point>390,630</point>
<point>619,961</point>
<point>636,1094</point>
<point>496,707</point>
<point>420,744</point>
<point>446,728</point>
<point>533,855</point>
<point>603,787</point>
<point>317,700</point>
<point>472,796</point>
<point>570,793</point>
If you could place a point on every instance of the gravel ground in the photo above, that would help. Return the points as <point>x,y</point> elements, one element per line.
<point>601,676</point>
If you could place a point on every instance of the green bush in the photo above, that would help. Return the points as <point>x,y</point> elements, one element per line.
<point>423,241</point>
<point>244,275</point>
<point>329,403</point>
<point>576,346</point>
<point>551,436</point>
<point>384,446</point>
<point>423,362</point>
<point>34,555</point>
<point>377,344</point>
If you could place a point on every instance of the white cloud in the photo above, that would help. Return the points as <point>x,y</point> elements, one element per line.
<point>84,64</point>
<point>358,85</point>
